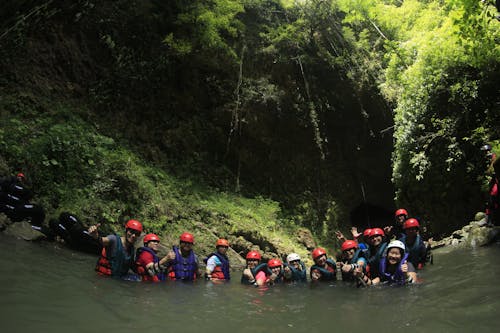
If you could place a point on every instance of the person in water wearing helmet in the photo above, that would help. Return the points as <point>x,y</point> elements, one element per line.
<point>182,261</point>
<point>117,255</point>
<point>218,263</point>
<point>394,267</point>
<point>253,260</point>
<point>324,268</point>
<point>415,247</point>
<point>351,259</point>
<point>376,249</point>
<point>396,230</point>
<point>148,265</point>
<point>295,269</point>
<point>269,274</point>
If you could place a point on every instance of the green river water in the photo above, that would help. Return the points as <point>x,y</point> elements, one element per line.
<point>47,288</point>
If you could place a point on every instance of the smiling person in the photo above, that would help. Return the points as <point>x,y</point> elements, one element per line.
<point>324,268</point>
<point>253,260</point>
<point>149,265</point>
<point>270,273</point>
<point>294,270</point>
<point>351,259</point>
<point>117,255</point>
<point>218,262</point>
<point>376,249</point>
<point>394,267</point>
<point>182,262</point>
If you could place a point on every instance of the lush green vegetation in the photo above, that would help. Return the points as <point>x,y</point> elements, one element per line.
<point>176,111</point>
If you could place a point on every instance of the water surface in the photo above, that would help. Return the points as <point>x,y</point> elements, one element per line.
<point>47,288</point>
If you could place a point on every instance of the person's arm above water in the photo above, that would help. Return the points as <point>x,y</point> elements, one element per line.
<point>94,233</point>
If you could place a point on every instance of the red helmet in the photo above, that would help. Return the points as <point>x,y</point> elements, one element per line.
<point>222,242</point>
<point>253,255</point>
<point>187,238</point>
<point>134,225</point>
<point>150,237</point>
<point>349,244</point>
<point>376,232</point>
<point>20,175</point>
<point>318,252</point>
<point>366,233</point>
<point>401,211</point>
<point>411,223</point>
<point>274,263</point>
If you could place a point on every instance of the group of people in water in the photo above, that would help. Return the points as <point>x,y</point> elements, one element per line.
<point>391,255</point>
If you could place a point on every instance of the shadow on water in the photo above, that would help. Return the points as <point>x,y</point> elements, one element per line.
<point>46,288</point>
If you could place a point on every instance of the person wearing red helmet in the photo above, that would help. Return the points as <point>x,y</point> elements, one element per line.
<point>253,260</point>
<point>324,268</point>
<point>182,261</point>
<point>351,259</point>
<point>415,246</point>
<point>148,265</point>
<point>376,249</point>
<point>396,230</point>
<point>270,274</point>
<point>218,267</point>
<point>117,255</point>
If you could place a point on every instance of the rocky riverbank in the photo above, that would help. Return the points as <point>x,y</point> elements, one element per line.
<point>476,233</point>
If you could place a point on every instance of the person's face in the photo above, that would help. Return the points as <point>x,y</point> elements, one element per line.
<point>186,246</point>
<point>252,263</point>
<point>400,219</point>
<point>411,231</point>
<point>321,260</point>
<point>276,270</point>
<point>222,249</point>
<point>394,255</point>
<point>154,245</point>
<point>295,264</point>
<point>349,253</point>
<point>132,235</point>
<point>376,240</point>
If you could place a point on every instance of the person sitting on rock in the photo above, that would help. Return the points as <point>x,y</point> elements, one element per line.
<point>14,201</point>
<point>17,186</point>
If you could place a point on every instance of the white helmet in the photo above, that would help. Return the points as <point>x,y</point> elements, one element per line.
<point>292,257</point>
<point>398,244</point>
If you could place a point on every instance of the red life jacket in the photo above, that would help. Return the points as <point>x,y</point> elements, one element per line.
<point>103,266</point>
<point>141,270</point>
<point>217,273</point>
